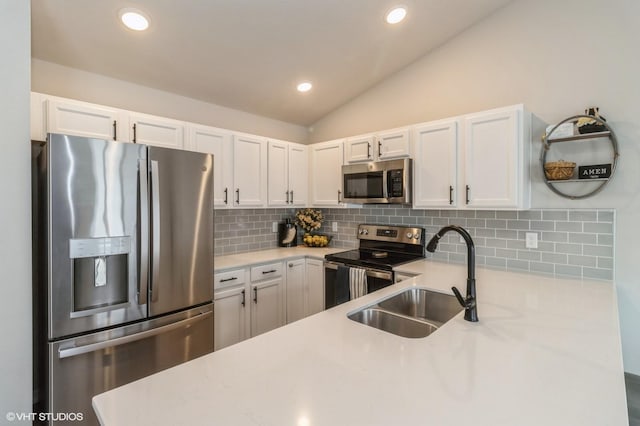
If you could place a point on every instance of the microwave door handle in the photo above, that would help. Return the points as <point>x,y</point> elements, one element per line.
<point>155,229</point>
<point>385,185</point>
<point>143,236</point>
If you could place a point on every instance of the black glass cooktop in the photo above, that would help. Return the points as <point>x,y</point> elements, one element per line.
<point>374,258</point>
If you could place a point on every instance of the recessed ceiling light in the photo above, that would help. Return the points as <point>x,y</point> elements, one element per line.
<point>304,86</point>
<point>396,14</point>
<point>134,19</point>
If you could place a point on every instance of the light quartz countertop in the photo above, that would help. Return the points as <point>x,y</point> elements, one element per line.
<point>231,261</point>
<point>546,351</point>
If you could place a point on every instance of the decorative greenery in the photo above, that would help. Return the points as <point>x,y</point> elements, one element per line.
<point>309,219</point>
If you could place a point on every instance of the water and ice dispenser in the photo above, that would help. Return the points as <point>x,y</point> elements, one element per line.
<point>100,273</point>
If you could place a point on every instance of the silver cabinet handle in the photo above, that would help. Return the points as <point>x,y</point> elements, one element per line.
<point>155,228</point>
<point>143,238</point>
<point>79,350</point>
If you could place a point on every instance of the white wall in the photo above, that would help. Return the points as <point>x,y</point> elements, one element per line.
<point>556,57</point>
<point>58,80</point>
<point>15,217</point>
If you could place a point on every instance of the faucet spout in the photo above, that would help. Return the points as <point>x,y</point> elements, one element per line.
<point>469,302</point>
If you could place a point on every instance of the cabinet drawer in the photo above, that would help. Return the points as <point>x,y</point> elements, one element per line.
<point>264,272</point>
<point>229,278</point>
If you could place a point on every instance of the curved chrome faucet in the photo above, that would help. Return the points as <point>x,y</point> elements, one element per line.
<point>469,302</point>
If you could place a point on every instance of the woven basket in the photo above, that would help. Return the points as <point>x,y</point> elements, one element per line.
<point>559,170</point>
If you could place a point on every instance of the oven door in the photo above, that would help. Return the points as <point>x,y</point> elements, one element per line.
<point>376,279</point>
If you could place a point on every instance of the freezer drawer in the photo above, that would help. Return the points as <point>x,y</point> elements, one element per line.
<point>83,367</point>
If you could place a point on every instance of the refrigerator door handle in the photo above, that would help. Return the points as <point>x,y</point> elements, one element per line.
<point>79,350</point>
<point>155,229</point>
<point>144,232</point>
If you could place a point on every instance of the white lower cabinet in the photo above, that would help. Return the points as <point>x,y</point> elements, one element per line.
<point>231,313</point>
<point>267,298</point>
<point>305,288</point>
<point>314,286</point>
<point>296,290</point>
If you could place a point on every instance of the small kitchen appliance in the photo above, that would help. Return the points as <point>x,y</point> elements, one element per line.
<point>287,234</point>
<point>382,247</point>
<point>378,182</point>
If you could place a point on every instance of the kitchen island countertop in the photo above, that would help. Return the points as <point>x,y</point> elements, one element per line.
<point>546,351</point>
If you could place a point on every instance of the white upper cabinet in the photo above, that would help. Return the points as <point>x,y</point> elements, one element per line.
<point>435,164</point>
<point>76,118</point>
<point>360,148</point>
<point>325,178</point>
<point>477,161</point>
<point>278,170</point>
<point>287,170</point>
<point>298,175</point>
<point>393,144</point>
<point>381,146</point>
<point>249,171</point>
<point>497,144</point>
<point>218,142</point>
<point>156,131</point>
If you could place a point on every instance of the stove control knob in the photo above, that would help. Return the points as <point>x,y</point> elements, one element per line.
<point>409,235</point>
<point>364,232</point>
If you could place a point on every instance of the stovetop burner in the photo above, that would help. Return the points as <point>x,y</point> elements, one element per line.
<point>377,259</point>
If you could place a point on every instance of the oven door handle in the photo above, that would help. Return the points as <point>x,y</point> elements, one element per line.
<point>373,273</point>
<point>385,183</point>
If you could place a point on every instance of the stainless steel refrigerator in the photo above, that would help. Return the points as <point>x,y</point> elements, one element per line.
<point>123,266</point>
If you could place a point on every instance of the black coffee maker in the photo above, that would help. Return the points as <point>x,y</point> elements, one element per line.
<point>287,234</point>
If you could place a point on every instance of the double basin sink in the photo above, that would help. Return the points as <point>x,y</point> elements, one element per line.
<point>413,313</point>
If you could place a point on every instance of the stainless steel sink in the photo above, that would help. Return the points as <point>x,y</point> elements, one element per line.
<point>416,312</point>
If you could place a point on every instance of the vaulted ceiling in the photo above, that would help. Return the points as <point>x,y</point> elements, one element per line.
<point>250,54</point>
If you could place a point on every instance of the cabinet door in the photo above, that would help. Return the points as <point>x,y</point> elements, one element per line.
<point>326,174</point>
<point>359,149</point>
<point>491,159</point>
<point>298,174</point>
<point>315,286</point>
<point>267,308</point>
<point>88,120</point>
<point>249,171</point>
<point>435,164</point>
<point>230,317</point>
<point>278,172</point>
<point>296,294</point>
<point>393,144</point>
<point>156,131</point>
<point>217,142</point>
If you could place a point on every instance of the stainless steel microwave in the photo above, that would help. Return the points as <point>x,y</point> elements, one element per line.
<point>378,182</point>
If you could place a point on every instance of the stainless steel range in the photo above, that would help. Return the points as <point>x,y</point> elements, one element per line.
<point>382,247</point>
